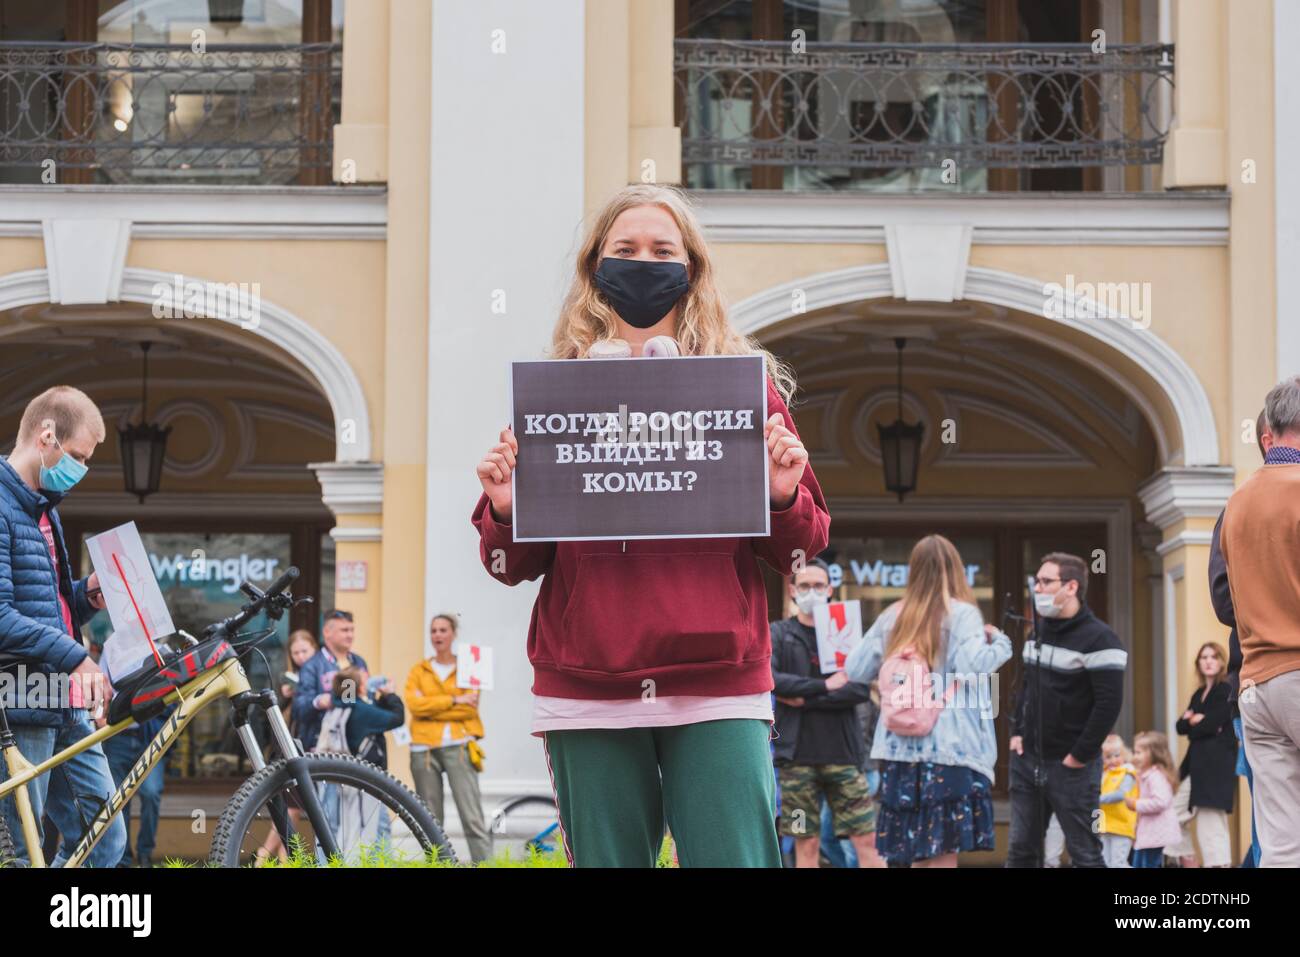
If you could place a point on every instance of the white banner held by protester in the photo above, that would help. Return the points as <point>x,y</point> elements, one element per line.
<point>132,597</point>
<point>474,667</point>
<point>839,629</point>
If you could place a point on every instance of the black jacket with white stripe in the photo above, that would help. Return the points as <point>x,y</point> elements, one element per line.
<point>1082,679</point>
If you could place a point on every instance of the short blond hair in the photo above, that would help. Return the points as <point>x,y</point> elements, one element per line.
<point>66,410</point>
<point>1115,741</point>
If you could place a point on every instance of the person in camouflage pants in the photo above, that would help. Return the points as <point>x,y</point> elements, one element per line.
<point>853,812</point>
<point>819,751</point>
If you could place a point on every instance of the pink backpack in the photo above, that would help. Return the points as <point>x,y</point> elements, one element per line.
<point>908,706</point>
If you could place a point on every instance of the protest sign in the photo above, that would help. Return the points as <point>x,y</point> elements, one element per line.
<point>839,629</point>
<point>640,448</point>
<point>132,598</point>
<point>474,667</point>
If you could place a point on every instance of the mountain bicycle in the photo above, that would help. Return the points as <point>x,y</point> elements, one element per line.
<point>347,807</point>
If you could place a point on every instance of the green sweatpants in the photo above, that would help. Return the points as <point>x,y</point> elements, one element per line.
<point>712,782</point>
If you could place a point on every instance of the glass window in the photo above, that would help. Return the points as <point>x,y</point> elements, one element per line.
<point>177,91</point>
<point>839,21</point>
<point>224,21</point>
<point>197,595</point>
<point>711,20</point>
<point>873,569</point>
<point>887,21</point>
<point>226,111</point>
<point>836,109</point>
<point>756,113</point>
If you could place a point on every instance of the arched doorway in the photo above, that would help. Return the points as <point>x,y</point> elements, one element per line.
<point>1041,433</point>
<point>1126,354</point>
<point>222,312</point>
<point>237,491</point>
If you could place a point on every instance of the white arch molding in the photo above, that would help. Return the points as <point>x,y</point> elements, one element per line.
<point>1199,441</point>
<point>275,325</point>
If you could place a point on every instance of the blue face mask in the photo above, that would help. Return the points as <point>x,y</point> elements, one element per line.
<point>66,473</point>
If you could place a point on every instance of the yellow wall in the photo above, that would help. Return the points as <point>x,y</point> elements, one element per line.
<point>1194,154</point>
<point>745,269</point>
<point>1251,353</point>
<point>406,354</point>
<point>336,287</point>
<point>20,253</point>
<point>361,140</point>
<point>628,109</point>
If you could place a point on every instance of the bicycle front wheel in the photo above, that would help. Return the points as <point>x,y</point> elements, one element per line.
<point>372,817</point>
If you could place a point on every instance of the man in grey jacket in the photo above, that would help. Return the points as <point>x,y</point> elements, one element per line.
<point>51,690</point>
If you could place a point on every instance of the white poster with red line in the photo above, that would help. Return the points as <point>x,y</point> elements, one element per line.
<point>839,629</point>
<point>134,602</point>
<point>474,667</point>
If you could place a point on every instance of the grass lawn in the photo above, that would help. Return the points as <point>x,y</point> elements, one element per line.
<point>385,857</point>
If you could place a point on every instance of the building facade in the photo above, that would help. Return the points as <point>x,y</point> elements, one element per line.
<point>1070,213</point>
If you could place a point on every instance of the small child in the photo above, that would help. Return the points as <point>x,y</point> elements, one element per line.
<point>1157,822</point>
<point>373,708</point>
<point>1118,821</point>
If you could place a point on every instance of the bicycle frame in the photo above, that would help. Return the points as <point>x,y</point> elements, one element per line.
<point>227,681</point>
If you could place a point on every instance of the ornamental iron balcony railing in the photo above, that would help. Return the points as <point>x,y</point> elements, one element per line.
<point>869,106</point>
<point>148,113</point>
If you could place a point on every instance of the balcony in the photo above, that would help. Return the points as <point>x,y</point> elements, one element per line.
<point>904,117</point>
<point>156,113</point>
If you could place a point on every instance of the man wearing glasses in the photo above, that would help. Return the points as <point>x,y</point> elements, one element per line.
<point>819,748</point>
<point>1070,698</point>
<point>316,679</point>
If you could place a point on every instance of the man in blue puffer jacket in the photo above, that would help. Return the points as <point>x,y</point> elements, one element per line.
<point>42,608</point>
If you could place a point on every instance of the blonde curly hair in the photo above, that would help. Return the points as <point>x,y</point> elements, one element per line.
<point>702,325</point>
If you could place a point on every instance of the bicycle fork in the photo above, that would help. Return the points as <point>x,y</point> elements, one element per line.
<point>295,760</point>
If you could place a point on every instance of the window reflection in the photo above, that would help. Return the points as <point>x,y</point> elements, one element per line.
<point>199,575</point>
<point>873,570</point>
<point>224,21</point>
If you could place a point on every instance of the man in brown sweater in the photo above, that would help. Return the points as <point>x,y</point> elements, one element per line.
<point>1260,539</point>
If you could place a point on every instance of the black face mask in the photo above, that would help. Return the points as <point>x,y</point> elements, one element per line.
<point>640,291</point>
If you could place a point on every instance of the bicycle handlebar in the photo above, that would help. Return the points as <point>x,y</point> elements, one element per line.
<point>273,601</point>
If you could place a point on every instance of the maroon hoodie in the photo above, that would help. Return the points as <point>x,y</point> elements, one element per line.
<point>688,613</point>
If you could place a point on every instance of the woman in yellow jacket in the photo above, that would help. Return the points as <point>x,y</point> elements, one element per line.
<point>444,727</point>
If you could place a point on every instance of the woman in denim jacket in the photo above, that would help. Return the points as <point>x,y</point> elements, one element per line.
<point>935,792</point>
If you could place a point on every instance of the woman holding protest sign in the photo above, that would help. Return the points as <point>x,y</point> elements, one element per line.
<point>652,658</point>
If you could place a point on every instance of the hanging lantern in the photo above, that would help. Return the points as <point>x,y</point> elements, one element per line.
<point>900,443</point>
<point>143,446</point>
